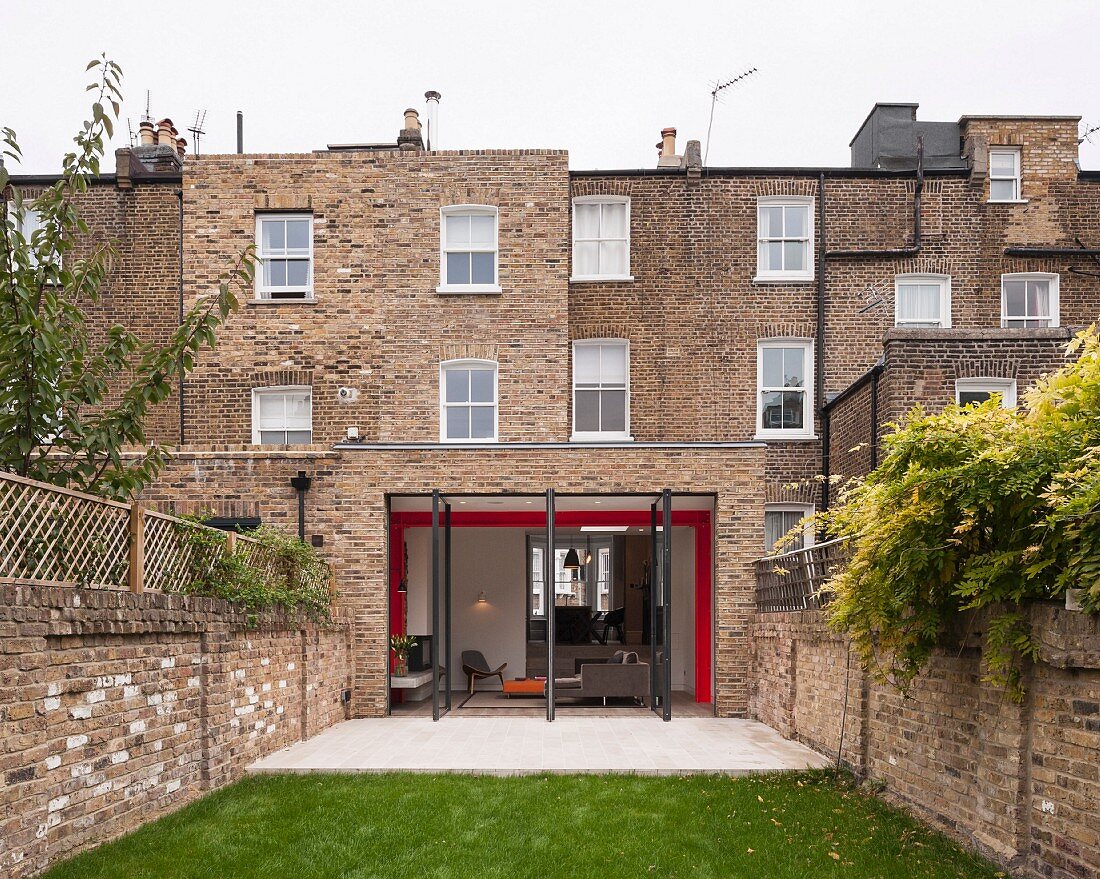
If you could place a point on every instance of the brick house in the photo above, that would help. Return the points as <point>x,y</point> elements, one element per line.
<point>489,324</point>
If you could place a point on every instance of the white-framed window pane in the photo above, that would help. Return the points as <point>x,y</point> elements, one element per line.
<point>482,269</point>
<point>458,422</point>
<point>481,385</point>
<point>613,258</point>
<point>1015,298</point>
<point>587,220</point>
<point>458,268</point>
<point>783,410</point>
<point>481,422</point>
<point>457,383</point>
<point>794,367</point>
<point>275,273</point>
<point>772,367</point>
<point>297,272</point>
<point>273,235</point>
<point>919,303</point>
<point>1002,164</point>
<point>298,410</point>
<point>586,258</point>
<point>299,437</point>
<point>1038,298</point>
<point>779,522</point>
<point>1002,190</point>
<point>297,236</point>
<point>968,397</point>
<point>613,411</point>
<point>794,221</point>
<point>271,409</point>
<point>794,253</point>
<point>586,360</point>
<point>613,364</point>
<point>614,220</point>
<point>282,416</point>
<point>457,229</point>
<point>482,229</point>
<point>587,415</point>
<point>773,255</point>
<point>771,222</point>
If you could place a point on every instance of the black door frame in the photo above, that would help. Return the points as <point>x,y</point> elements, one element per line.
<point>441,706</point>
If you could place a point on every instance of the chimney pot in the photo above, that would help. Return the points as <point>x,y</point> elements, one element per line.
<point>164,133</point>
<point>667,146</point>
<point>412,120</point>
<point>147,132</point>
<point>181,146</point>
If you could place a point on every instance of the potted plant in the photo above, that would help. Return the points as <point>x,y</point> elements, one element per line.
<point>400,645</point>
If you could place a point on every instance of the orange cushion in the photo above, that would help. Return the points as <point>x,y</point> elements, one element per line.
<point>525,686</point>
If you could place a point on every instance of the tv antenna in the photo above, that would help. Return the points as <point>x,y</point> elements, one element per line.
<point>715,96</point>
<point>147,117</point>
<point>196,128</point>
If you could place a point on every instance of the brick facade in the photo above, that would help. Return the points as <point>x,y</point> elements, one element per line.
<point>118,708</point>
<point>1018,782</point>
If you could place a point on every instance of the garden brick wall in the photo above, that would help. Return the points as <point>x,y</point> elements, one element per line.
<point>1019,782</point>
<point>117,708</point>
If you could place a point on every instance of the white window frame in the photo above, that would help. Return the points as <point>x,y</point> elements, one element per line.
<point>765,276</point>
<point>27,230</point>
<point>1006,387</point>
<point>805,509</point>
<point>807,431</point>
<point>601,435</point>
<point>1052,278</point>
<point>460,209</point>
<point>1017,177</point>
<point>944,282</point>
<point>263,293</point>
<point>468,363</point>
<point>278,389</point>
<point>602,199</point>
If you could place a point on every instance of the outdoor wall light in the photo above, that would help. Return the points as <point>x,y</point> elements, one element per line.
<point>481,599</point>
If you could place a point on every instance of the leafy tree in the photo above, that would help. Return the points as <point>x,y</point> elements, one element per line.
<point>71,407</point>
<point>975,507</point>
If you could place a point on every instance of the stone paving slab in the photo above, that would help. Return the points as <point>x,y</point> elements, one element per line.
<point>530,745</point>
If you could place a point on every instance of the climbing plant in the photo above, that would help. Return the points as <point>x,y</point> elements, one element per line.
<point>974,507</point>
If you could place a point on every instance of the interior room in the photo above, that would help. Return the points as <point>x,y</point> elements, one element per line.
<point>606,577</point>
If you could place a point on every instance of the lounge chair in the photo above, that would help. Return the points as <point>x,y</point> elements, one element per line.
<point>476,668</point>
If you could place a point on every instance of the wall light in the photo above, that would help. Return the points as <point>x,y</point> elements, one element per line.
<point>481,599</point>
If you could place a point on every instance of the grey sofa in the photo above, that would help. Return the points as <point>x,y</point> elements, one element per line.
<point>622,677</point>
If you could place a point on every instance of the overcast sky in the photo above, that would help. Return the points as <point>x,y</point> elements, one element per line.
<point>597,78</point>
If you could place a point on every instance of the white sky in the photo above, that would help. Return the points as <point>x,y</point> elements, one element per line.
<point>597,78</point>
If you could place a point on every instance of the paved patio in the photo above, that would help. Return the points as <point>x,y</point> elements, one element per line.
<point>528,745</point>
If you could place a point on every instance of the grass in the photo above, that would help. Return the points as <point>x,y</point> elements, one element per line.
<point>611,827</point>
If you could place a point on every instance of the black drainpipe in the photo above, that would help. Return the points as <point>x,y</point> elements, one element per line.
<point>874,417</point>
<point>301,484</point>
<point>179,197</point>
<point>819,347</point>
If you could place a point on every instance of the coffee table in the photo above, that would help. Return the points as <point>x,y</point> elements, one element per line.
<point>524,687</point>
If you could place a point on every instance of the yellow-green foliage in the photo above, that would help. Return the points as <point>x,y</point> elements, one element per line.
<point>977,506</point>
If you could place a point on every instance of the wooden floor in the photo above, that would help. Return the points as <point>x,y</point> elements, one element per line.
<point>683,705</point>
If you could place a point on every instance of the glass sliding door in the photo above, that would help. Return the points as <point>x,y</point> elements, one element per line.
<point>441,606</point>
<point>550,579</point>
<point>660,605</point>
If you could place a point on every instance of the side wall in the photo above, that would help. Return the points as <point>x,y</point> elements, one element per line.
<point>1020,782</point>
<point>117,708</point>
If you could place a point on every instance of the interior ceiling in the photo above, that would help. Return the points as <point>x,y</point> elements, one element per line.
<point>537,503</point>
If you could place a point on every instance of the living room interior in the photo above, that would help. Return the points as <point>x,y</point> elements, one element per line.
<point>606,578</point>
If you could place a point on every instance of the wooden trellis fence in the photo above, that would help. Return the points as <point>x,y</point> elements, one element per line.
<point>798,580</point>
<point>59,537</point>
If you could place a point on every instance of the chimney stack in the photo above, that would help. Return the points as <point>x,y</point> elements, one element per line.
<point>667,146</point>
<point>410,137</point>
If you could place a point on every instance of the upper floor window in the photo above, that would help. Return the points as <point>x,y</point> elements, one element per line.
<point>978,390</point>
<point>784,378</point>
<point>601,408</point>
<point>30,223</point>
<point>468,250</point>
<point>784,232</point>
<point>1029,300</point>
<point>922,301</point>
<point>779,519</point>
<point>601,238</point>
<point>468,401</point>
<point>1004,175</point>
<point>282,416</point>
<point>284,244</point>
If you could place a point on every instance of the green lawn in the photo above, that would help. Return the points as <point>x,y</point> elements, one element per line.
<point>610,827</point>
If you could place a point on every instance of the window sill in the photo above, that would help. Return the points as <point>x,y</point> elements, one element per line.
<point>468,442</point>
<point>595,279</point>
<point>305,300</point>
<point>783,436</point>
<point>1008,201</point>
<point>783,279</point>
<point>468,288</point>
<point>601,438</point>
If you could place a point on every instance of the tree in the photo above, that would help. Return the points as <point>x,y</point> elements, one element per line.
<point>71,410</point>
<point>975,507</point>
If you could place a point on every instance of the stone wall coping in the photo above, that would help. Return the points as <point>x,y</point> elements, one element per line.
<point>959,334</point>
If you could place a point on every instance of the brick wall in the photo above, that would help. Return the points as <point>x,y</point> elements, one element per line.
<point>1019,782</point>
<point>116,708</point>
